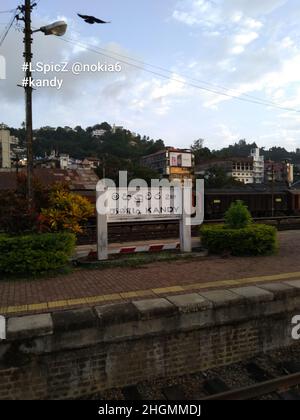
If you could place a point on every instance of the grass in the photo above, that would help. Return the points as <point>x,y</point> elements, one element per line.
<point>135,260</point>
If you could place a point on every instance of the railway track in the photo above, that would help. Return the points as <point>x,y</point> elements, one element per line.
<point>282,387</point>
<point>268,377</point>
<point>153,230</point>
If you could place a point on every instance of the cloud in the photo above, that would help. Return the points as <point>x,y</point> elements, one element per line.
<point>206,12</point>
<point>91,97</point>
<point>250,47</point>
<point>83,96</point>
<point>160,95</point>
<point>268,65</point>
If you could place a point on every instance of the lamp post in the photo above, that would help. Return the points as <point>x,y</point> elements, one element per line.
<point>58,29</point>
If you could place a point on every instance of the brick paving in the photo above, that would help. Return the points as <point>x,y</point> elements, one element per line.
<point>87,287</point>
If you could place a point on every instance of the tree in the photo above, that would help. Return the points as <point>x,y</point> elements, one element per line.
<point>105,126</point>
<point>197,145</point>
<point>201,153</point>
<point>67,212</point>
<point>217,177</point>
<point>239,149</point>
<point>238,216</point>
<point>15,218</point>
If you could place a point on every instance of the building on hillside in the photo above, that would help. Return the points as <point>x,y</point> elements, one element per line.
<point>279,172</point>
<point>5,161</point>
<point>116,128</point>
<point>64,161</point>
<point>171,163</point>
<point>98,133</point>
<point>258,166</point>
<point>248,170</point>
<point>91,163</point>
<point>7,145</point>
<point>241,169</point>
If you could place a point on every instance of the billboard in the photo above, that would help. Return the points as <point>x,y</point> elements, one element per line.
<point>181,160</point>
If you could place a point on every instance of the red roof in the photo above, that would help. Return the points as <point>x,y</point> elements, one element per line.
<point>78,179</point>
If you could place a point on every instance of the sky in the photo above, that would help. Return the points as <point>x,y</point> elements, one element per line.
<point>246,49</point>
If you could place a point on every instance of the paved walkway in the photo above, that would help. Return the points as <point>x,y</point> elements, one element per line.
<point>90,287</point>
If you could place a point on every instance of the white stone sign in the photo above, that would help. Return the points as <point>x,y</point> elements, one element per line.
<point>143,204</point>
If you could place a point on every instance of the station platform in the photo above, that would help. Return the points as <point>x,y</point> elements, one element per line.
<point>90,287</point>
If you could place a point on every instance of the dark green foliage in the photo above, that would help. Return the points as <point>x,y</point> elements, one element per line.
<point>200,152</point>
<point>241,148</point>
<point>117,150</point>
<point>15,217</point>
<point>79,143</point>
<point>35,254</point>
<point>217,177</point>
<point>238,216</point>
<point>252,240</point>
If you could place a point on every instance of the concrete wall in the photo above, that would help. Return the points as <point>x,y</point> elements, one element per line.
<point>75,353</point>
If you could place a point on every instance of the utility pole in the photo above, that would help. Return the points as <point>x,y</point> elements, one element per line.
<point>27,8</point>
<point>273,194</point>
<point>57,28</point>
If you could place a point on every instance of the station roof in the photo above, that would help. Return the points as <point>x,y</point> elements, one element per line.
<point>77,179</point>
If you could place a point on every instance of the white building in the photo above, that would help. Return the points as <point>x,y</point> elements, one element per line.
<point>6,141</point>
<point>64,161</point>
<point>115,128</point>
<point>98,133</point>
<point>258,166</point>
<point>242,170</point>
<point>248,170</point>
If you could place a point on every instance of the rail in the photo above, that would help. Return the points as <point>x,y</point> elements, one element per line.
<point>277,219</point>
<point>162,229</point>
<point>257,390</point>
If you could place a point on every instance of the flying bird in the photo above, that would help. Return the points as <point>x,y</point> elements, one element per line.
<point>91,19</point>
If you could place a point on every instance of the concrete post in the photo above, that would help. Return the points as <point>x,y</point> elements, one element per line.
<point>102,230</point>
<point>185,228</point>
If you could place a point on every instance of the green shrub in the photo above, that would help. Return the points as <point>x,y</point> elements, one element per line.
<point>238,216</point>
<point>35,254</point>
<point>251,240</point>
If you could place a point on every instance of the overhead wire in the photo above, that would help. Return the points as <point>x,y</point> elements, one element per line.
<point>8,27</point>
<point>7,11</point>
<point>243,98</point>
<point>214,85</point>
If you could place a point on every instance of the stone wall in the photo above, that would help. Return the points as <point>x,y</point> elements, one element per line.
<point>76,353</point>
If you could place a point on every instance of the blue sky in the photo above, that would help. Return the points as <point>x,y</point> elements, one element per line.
<point>251,47</point>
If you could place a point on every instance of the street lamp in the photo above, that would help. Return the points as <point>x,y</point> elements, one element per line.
<point>57,28</point>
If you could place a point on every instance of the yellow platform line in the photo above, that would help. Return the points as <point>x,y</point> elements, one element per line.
<point>63,304</point>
